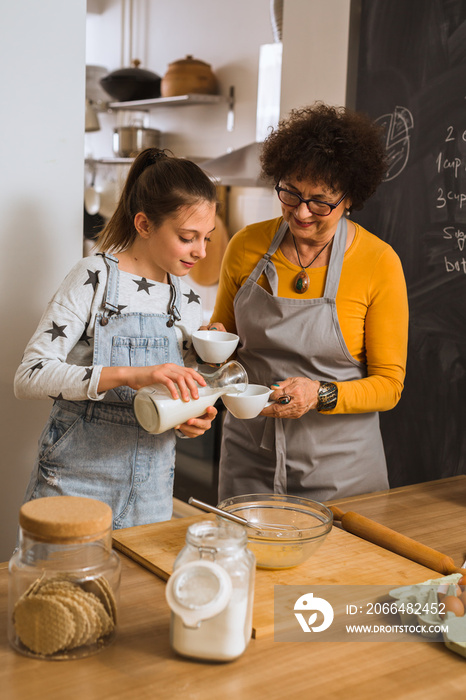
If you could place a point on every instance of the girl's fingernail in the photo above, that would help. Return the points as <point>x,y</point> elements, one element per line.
<point>213,328</point>
<point>277,385</point>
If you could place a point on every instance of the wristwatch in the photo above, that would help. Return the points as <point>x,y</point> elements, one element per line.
<point>327,396</point>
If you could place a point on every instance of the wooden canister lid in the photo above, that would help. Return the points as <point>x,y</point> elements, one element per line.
<point>59,518</point>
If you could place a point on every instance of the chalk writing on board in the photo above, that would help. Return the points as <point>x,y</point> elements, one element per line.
<point>397,140</point>
<point>453,233</point>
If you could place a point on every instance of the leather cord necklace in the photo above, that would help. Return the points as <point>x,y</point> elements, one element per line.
<point>301,282</point>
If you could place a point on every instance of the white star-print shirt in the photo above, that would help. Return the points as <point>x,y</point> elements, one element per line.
<point>57,362</point>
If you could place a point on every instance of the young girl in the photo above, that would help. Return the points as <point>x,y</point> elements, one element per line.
<point>121,320</point>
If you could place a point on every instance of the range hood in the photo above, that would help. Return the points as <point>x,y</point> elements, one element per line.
<point>239,168</point>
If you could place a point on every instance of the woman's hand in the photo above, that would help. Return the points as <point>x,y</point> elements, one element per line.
<point>303,393</point>
<point>197,426</point>
<point>180,381</point>
<point>214,327</point>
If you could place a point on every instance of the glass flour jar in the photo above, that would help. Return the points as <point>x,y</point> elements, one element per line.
<point>211,593</point>
<point>64,579</point>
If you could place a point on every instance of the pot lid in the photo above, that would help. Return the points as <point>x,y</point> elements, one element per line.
<point>134,72</point>
<point>189,60</point>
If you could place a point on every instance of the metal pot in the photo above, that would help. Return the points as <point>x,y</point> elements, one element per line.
<point>132,83</point>
<point>128,141</point>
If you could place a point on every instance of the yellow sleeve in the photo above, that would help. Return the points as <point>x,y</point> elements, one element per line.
<point>385,340</point>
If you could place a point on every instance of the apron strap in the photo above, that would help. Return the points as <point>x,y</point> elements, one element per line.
<point>173,311</point>
<point>273,438</point>
<point>336,260</point>
<point>111,292</point>
<point>265,266</point>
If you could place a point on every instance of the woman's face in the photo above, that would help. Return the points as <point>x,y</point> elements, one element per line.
<point>180,242</point>
<point>302,222</point>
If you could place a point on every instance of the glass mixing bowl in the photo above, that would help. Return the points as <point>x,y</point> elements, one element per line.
<point>302,524</point>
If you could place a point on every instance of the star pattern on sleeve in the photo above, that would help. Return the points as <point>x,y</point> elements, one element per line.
<point>87,374</point>
<point>57,398</point>
<point>143,285</point>
<point>39,365</point>
<point>85,338</point>
<point>93,279</point>
<point>185,345</point>
<point>192,297</point>
<point>57,331</point>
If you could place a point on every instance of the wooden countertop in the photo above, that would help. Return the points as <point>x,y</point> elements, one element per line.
<point>140,664</point>
<point>428,512</point>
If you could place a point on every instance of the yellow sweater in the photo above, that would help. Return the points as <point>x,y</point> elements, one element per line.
<point>371,303</point>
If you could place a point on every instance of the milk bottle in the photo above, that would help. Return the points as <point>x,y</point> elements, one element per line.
<point>157,411</point>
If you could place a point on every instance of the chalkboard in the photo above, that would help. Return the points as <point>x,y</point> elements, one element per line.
<point>411,77</point>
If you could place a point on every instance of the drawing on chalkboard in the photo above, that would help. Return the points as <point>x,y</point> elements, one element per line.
<point>397,139</point>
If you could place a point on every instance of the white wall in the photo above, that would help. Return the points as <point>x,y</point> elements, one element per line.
<point>315,51</point>
<point>42,54</point>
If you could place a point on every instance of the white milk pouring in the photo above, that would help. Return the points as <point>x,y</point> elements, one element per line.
<point>157,411</point>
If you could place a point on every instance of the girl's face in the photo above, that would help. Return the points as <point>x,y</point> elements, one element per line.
<point>180,242</point>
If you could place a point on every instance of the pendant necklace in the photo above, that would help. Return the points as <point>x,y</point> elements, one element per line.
<point>301,282</point>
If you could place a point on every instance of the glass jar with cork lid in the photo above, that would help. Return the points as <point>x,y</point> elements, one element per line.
<point>64,579</point>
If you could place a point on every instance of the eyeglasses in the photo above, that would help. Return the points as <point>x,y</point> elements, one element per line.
<point>315,206</point>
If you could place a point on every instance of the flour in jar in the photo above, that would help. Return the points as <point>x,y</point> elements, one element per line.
<point>221,638</point>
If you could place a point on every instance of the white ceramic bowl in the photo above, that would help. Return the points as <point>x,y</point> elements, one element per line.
<point>214,346</point>
<point>249,403</point>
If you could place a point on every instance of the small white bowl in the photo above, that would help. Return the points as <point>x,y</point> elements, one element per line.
<point>214,346</point>
<point>249,403</point>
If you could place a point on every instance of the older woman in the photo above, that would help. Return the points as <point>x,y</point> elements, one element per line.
<point>320,306</point>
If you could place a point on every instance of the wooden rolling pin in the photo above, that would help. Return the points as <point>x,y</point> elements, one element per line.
<point>383,536</point>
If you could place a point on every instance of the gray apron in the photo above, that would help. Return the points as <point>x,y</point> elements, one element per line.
<point>317,456</point>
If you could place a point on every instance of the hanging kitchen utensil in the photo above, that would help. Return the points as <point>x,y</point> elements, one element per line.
<point>187,76</point>
<point>132,83</point>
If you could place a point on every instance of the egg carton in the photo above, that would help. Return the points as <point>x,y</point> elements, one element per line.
<point>423,596</point>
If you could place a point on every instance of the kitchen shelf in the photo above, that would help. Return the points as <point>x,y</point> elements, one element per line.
<point>177,101</point>
<point>109,161</point>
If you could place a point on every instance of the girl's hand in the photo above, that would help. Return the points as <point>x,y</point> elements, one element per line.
<point>197,426</point>
<point>303,393</point>
<point>180,381</point>
<point>213,327</point>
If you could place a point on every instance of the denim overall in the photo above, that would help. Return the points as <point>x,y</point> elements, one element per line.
<point>96,448</point>
<point>317,456</point>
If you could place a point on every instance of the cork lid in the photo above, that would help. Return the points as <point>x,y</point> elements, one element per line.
<point>59,518</point>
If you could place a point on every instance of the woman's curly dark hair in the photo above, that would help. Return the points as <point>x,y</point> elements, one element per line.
<point>335,146</point>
